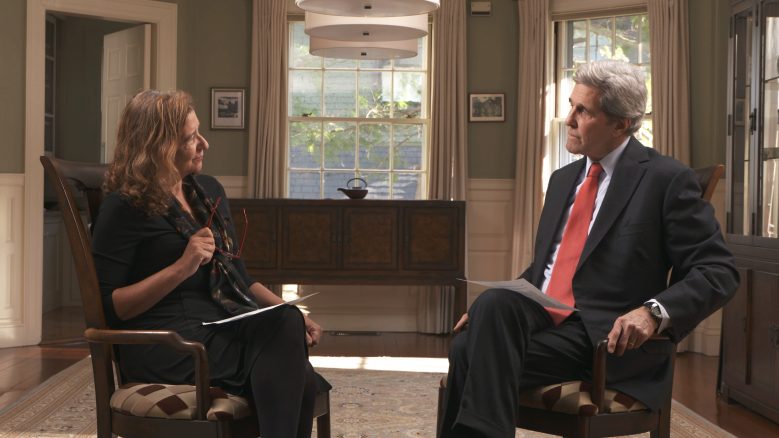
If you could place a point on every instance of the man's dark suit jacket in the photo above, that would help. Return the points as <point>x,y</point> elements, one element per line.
<point>652,219</point>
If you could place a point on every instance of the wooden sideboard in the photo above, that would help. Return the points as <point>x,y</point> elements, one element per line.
<point>296,241</point>
<point>749,371</point>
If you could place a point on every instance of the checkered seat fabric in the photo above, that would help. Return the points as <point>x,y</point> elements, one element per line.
<point>574,398</point>
<point>176,402</point>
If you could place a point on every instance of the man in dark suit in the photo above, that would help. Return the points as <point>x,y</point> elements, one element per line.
<point>614,223</point>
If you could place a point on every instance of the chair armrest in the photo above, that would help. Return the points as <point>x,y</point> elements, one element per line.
<point>171,339</point>
<point>599,368</point>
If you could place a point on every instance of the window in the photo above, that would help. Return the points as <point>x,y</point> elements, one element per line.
<point>621,37</point>
<point>355,118</point>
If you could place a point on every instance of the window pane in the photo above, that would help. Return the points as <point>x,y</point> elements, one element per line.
<point>648,77</point>
<point>407,146</point>
<point>340,93</point>
<point>600,39</point>
<point>376,64</point>
<point>576,31</point>
<point>305,93</point>
<point>303,185</point>
<point>408,89</point>
<point>406,185</point>
<point>644,134</point>
<point>374,146</point>
<point>417,62</point>
<point>305,145</point>
<point>645,54</point>
<point>628,39</point>
<point>340,63</point>
<point>373,101</point>
<point>378,185</point>
<point>335,180</point>
<point>298,48</point>
<point>340,144</point>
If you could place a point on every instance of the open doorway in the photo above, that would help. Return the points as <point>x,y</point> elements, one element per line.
<point>75,126</point>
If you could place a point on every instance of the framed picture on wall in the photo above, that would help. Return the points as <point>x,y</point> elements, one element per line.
<point>487,107</point>
<point>227,108</point>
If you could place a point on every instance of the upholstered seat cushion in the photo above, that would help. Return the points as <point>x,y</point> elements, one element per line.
<point>176,402</point>
<point>574,398</point>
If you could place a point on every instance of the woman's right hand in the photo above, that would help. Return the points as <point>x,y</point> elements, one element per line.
<point>461,324</point>
<point>198,252</point>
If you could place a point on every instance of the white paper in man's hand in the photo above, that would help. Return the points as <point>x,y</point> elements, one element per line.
<point>264,309</point>
<point>523,287</point>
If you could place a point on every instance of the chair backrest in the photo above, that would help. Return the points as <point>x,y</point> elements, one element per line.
<point>708,177</point>
<point>87,178</point>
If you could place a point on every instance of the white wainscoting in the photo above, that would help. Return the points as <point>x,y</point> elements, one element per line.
<point>11,256</point>
<point>489,219</point>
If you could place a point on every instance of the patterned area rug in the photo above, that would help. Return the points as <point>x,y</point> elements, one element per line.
<point>364,402</point>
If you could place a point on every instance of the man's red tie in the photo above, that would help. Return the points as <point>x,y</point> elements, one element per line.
<point>561,284</point>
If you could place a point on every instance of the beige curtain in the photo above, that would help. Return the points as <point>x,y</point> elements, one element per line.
<point>531,110</point>
<point>448,102</point>
<point>268,99</point>
<point>669,45</point>
<point>448,141</point>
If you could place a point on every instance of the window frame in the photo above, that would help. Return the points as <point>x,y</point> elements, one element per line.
<point>357,121</point>
<point>558,155</point>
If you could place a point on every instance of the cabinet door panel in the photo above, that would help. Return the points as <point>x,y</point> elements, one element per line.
<point>370,238</point>
<point>310,238</point>
<point>765,366</point>
<point>432,238</point>
<point>734,333</point>
<point>260,248</point>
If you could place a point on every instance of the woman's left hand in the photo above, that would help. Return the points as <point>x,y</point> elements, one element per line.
<point>313,332</point>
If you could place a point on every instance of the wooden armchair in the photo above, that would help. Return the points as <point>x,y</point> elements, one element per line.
<point>202,411</point>
<point>589,409</point>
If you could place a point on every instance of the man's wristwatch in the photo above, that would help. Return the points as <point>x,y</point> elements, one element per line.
<point>655,312</point>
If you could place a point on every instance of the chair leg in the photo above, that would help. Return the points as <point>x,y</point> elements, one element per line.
<point>663,429</point>
<point>323,426</point>
<point>440,418</point>
<point>583,427</point>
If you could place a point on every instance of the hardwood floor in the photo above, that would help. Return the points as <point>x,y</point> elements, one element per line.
<point>21,369</point>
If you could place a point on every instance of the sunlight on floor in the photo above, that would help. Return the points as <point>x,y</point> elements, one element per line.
<point>411,364</point>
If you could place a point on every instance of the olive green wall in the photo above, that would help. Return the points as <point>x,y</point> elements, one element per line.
<point>214,51</point>
<point>708,80</point>
<point>492,68</point>
<point>12,59</point>
<point>79,72</point>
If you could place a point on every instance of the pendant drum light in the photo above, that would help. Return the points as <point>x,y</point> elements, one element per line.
<point>365,8</point>
<point>368,50</point>
<point>361,29</point>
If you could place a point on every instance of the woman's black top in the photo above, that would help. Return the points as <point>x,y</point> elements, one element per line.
<point>129,245</point>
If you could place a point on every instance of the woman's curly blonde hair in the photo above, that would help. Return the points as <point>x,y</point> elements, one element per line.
<point>149,133</point>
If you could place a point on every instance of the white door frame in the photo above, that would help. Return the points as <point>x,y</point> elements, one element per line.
<point>163,17</point>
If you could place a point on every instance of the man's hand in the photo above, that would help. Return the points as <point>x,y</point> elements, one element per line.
<point>313,332</point>
<point>461,323</point>
<point>631,330</point>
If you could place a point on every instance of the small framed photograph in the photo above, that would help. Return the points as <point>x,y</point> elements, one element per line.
<point>227,108</point>
<point>487,107</point>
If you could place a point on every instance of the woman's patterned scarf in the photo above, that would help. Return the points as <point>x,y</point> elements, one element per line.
<point>227,286</point>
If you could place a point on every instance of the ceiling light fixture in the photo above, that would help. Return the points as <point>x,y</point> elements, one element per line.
<point>358,29</point>
<point>365,8</point>
<point>368,50</point>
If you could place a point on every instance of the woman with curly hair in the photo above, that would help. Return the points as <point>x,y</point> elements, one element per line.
<point>166,258</point>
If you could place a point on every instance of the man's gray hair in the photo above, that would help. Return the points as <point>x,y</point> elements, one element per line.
<point>622,89</point>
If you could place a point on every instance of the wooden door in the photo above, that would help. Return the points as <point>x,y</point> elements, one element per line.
<point>310,237</point>
<point>370,238</point>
